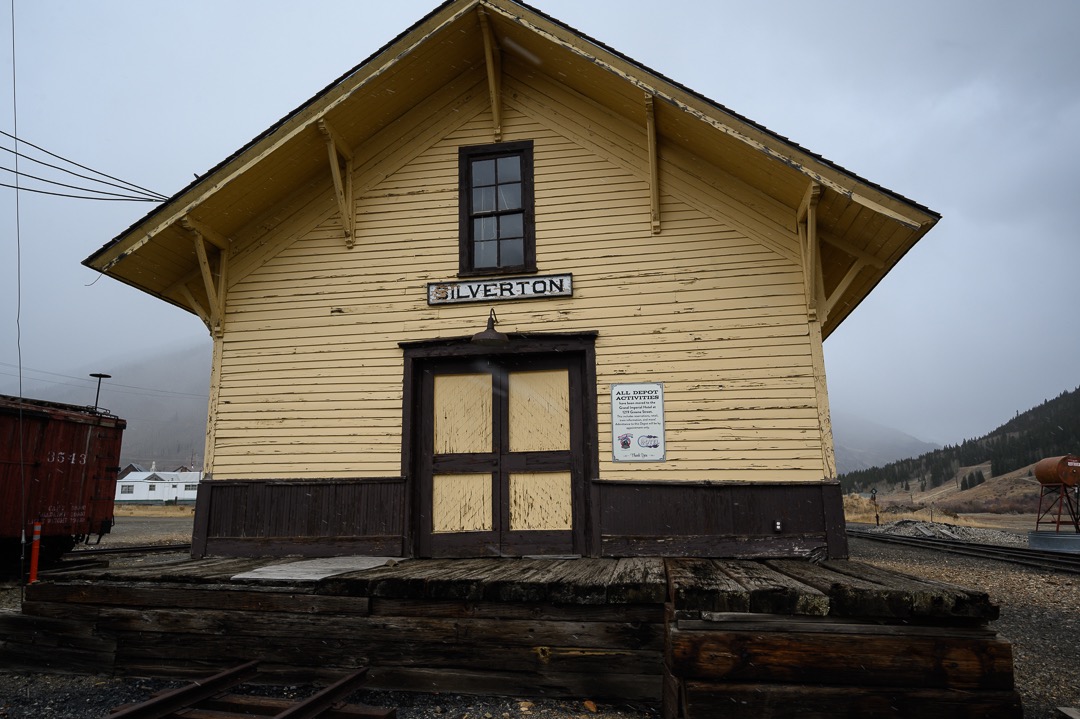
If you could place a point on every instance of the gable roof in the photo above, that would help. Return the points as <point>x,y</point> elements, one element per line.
<point>866,228</point>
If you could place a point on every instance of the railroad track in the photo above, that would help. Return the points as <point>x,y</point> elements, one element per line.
<point>1057,561</point>
<point>141,549</point>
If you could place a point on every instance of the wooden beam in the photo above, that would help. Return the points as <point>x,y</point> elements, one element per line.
<point>340,145</point>
<point>209,234</point>
<point>807,221</point>
<point>840,289</point>
<point>852,250</point>
<point>214,314</point>
<point>654,162</point>
<point>208,282</point>
<point>493,61</point>
<point>195,305</point>
<point>342,181</point>
<point>223,266</point>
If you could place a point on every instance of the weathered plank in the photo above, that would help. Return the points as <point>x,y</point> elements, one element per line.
<point>929,598</point>
<point>46,643</point>
<point>638,579</point>
<point>221,597</point>
<point>772,592</point>
<point>741,622</point>
<point>698,585</point>
<point>850,596</point>
<point>282,626</point>
<point>884,594</point>
<point>623,687</point>
<point>175,650</point>
<point>892,659</point>
<point>650,613</point>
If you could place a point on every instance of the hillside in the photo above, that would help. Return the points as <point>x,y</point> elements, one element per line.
<point>988,474</point>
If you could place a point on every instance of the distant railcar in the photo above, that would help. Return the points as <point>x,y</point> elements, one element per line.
<point>58,465</point>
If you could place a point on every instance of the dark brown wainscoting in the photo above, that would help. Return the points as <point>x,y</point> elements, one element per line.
<point>721,519</point>
<point>313,518</point>
<point>322,518</point>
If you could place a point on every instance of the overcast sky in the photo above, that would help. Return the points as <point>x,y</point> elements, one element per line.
<point>970,107</point>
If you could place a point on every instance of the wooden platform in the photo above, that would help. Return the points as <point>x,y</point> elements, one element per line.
<point>703,637</point>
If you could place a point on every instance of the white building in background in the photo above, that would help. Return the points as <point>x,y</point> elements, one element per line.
<point>158,487</point>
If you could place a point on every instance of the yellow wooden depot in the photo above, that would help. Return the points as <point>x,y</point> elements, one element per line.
<point>706,253</point>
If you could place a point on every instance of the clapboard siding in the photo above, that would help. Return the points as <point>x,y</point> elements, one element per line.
<point>311,373</point>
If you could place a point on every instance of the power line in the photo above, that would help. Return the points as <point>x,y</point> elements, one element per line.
<point>77,197</point>
<point>76,187</point>
<point>78,174</point>
<point>76,164</point>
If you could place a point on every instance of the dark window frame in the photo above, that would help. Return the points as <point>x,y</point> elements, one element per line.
<point>466,246</point>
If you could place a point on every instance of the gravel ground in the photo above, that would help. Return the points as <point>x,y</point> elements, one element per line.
<point>1039,615</point>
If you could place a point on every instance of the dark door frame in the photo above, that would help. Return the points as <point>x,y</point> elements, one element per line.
<point>579,346</point>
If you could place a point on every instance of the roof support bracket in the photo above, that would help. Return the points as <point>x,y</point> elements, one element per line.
<point>339,154</point>
<point>195,305</point>
<point>493,61</point>
<point>215,292</point>
<point>808,240</point>
<point>840,289</point>
<point>654,163</point>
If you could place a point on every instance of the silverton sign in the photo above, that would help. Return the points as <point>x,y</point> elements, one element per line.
<point>514,288</point>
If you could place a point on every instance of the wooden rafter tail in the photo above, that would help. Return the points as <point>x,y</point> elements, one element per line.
<point>337,152</point>
<point>654,163</point>
<point>493,61</point>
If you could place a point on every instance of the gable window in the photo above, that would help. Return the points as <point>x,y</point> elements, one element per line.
<point>496,209</point>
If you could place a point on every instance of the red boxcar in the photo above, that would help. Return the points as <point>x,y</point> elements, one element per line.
<point>64,475</point>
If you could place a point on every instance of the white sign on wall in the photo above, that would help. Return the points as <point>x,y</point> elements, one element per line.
<point>514,288</point>
<point>637,422</point>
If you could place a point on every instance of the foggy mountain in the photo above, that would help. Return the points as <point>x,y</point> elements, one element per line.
<point>161,393</point>
<point>861,444</point>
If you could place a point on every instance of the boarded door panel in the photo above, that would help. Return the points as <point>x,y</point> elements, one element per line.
<point>539,410</point>
<point>461,503</point>
<point>540,500</point>
<point>462,413</point>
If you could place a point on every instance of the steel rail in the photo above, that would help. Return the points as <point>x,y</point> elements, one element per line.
<point>141,549</point>
<point>1058,561</point>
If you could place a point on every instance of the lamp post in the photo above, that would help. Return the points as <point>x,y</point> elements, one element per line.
<point>100,377</point>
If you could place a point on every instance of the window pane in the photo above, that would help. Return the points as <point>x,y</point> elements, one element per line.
<point>483,199</point>
<point>510,169</point>
<point>483,172</point>
<point>510,196</point>
<point>513,253</point>
<point>485,228</point>
<point>511,225</point>
<point>486,254</point>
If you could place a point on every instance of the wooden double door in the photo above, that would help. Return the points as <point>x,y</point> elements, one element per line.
<point>501,456</point>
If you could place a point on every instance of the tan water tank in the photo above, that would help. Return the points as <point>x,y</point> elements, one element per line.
<point>1059,470</point>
